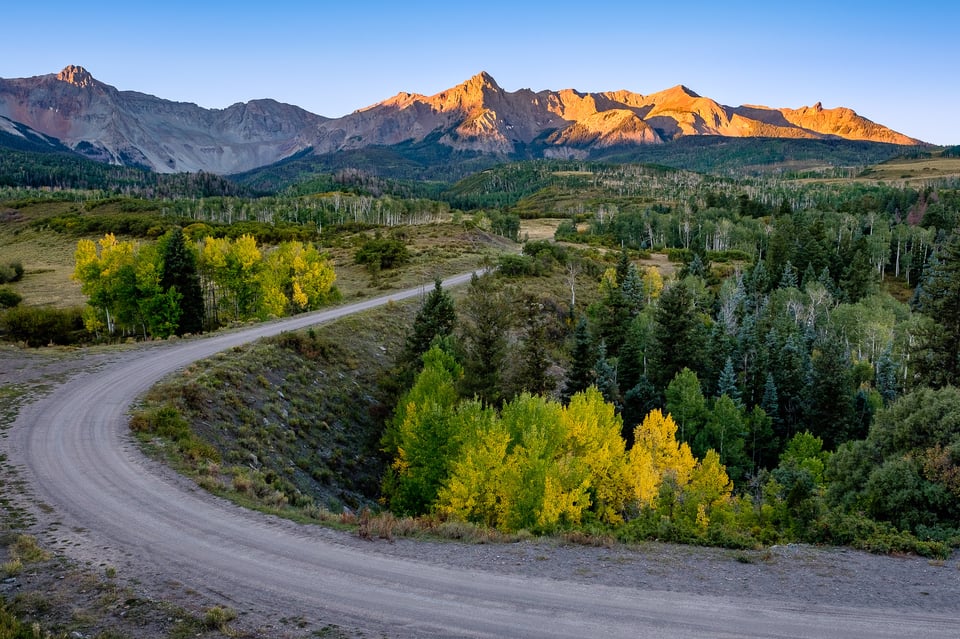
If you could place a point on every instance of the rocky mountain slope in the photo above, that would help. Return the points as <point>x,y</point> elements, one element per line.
<point>127,127</point>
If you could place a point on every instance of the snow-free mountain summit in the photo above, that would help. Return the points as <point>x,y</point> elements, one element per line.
<point>131,128</point>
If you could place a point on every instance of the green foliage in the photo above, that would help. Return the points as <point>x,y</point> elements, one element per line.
<point>166,422</point>
<point>678,335</point>
<point>9,298</point>
<point>423,437</point>
<point>435,319</point>
<point>179,272</point>
<point>938,298</point>
<point>11,272</point>
<point>487,314</point>
<point>382,253</point>
<point>584,355</point>
<point>901,473</point>
<point>39,326</point>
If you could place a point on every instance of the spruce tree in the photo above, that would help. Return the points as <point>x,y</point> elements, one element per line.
<point>678,336</point>
<point>938,364</point>
<point>727,384</point>
<point>436,318</point>
<point>487,318</point>
<point>582,359</point>
<point>179,272</point>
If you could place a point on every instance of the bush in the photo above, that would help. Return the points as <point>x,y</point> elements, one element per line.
<point>511,265</point>
<point>9,298</point>
<point>11,272</point>
<point>382,252</point>
<point>41,326</point>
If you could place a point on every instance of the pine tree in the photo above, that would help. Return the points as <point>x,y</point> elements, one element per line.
<point>179,272</point>
<point>678,336</point>
<point>487,319</point>
<point>727,384</point>
<point>436,318</point>
<point>581,374</point>
<point>938,364</point>
<point>606,376</point>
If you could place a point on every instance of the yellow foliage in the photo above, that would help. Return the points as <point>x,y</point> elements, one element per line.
<point>652,283</point>
<point>593,436</point>
<point>245,251</point>
<point>655,455</point>
<point>709,483</point>
<point>609,280</point>
<point>214,252</point>
<point>274,301</point>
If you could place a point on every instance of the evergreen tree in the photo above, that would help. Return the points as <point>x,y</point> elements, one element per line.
<point>179,272</point>
<point>858,280</point>
<point>436,318</point>
<point>533,373</point>
<point>885,377</point>
<point>727,384</point>
<point>830,408</point>
<point>678,336</point>
<point>789,277</point>
<point>581,374</point>
<point>770,403</point>
<point>637,404</point>
<point>487,318</point>
<point>938,361</point>
<point>606,376</point>
<point>630,362</point>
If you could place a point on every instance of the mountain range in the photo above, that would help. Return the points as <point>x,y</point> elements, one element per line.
<point>74,109</point>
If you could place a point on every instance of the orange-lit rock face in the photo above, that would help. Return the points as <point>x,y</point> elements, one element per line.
<point>77,76</point>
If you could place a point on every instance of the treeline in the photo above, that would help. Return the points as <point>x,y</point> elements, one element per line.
<point>69,171</point>
<point>176,286</point>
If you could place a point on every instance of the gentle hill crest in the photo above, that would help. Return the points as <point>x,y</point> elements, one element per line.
<point>476,116</point>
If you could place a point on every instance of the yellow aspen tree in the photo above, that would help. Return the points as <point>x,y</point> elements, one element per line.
<point>709,486</point>
<point>313,278</point>
<point>244,262</point>
<point>476,490</point>
<point>548,484</point>
<point>655,455</point>
<point>593,435</point>
<point>652,283</point>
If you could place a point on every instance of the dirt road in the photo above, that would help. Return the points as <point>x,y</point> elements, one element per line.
<point>113,506</point>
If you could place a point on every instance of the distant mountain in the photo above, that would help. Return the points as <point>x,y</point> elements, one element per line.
<point>135,129</point>
<point>476,117</point>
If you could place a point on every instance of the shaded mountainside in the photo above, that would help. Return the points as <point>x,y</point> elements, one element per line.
<point>475,118</point>
<point>135,129</point>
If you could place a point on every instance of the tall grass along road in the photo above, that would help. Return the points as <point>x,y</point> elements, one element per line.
<point>74,451</point>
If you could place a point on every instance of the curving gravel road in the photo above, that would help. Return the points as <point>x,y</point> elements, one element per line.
<point>74,451</point>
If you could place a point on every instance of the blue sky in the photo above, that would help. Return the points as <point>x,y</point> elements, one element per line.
<point>899,66</point>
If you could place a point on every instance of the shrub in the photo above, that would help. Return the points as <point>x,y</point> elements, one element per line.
<point>41,326</point>
<point>382,252</point>
<point>9,298</point>
<point>218,617</point>
<point>11,272</point>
